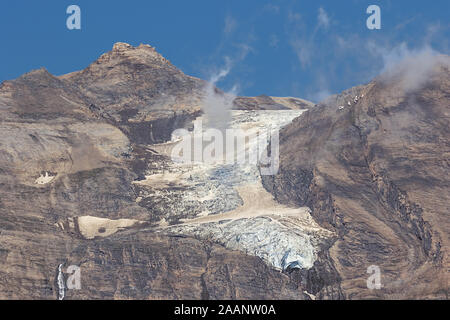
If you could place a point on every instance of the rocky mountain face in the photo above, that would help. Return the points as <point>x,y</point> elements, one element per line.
<point>372,164</point>
<point>75,151</point>
<point>139,91</point>
<point>87,180</point>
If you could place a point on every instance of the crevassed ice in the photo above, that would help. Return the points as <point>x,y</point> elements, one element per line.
<point>278,245</point>
<point>265,235</point>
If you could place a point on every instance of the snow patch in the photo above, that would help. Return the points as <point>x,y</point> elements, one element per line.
<point>91,227</point>
<point>44,179</point>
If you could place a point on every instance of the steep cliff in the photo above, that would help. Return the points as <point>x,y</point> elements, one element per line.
<point>372,164</point>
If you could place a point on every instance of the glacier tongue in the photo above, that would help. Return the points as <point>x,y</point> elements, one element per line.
<point>278,245</point>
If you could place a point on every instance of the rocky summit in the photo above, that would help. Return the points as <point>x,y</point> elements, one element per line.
<point>88,182</point>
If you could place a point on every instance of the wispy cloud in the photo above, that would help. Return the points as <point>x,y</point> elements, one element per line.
<point>409,68</point>
<point>337,58</point>
<point>403,24</point>
<point>322,19</point>
<point>216,104</point>
<point>304,49</point>
<point>230,25</point>
<point>302,38</point>
<point>271,8</point>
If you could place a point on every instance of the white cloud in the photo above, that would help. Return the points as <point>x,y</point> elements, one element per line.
<point>411,68</point>
<point>322,18</point>
<point>217,105</point>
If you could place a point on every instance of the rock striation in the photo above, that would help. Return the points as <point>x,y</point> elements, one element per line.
<point>372,164</point>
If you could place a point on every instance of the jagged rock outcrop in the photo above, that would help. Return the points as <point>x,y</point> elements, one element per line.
<point>372,164</point>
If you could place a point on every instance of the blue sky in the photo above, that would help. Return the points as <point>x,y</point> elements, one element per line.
<point>283,48</point>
